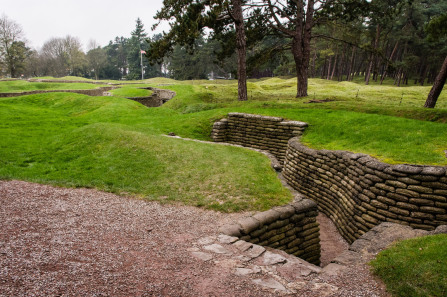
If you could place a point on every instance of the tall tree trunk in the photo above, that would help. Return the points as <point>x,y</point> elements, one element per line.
<point>301,45</point>
<point>241,46</point>
<point>328,72</point>
<point>437,86</point>
<point>360,64</point>
<point>323,69</point>
<point>313,74</point>
<point>401,74</point>
<point>301,70</point>
<point>351,65</point>
<point>341,66</point>
<point>423,75</point>
<point>389,61</point>
<point>334,67</point>
<point>369,69</point>
<point>373,55</point>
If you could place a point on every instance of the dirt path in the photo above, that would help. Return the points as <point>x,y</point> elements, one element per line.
<point>83,242</point>
<point>332,244</point>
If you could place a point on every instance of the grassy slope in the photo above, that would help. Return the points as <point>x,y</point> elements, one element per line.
<point>415,267</point>
<point>107,143</point>
<point>386,100</point>
<point>18,86</point>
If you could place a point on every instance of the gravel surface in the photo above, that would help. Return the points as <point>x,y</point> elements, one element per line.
<point>83,242</point>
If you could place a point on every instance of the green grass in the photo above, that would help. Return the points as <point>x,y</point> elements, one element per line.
<point>66,78</point>
<point>115,144</point>
<point>415,267</point>
<point>391,134</point>
<point>131,91</point>
<point>19,86</point>
<point>390,100</point>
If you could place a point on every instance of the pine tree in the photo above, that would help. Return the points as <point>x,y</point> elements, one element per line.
<point>135,45</point>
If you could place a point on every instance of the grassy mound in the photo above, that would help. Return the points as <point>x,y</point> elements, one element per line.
<point>103,142</point>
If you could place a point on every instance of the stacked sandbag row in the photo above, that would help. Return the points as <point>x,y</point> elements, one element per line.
<point>292,228</point>
<point>260,132</point>
<point>358,192</point>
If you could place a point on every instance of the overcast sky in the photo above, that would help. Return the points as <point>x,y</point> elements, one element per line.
<point>86,19</point>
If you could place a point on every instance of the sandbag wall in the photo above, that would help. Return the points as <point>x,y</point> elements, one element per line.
<point>292,228</point>
<point>356,191</point>
<point>261,132</point>
<point>359,192</point>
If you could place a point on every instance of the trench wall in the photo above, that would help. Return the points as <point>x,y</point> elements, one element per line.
<point>292,228</point>
<point>356,191</point>
<point>359,192</point>
<point>261,132</point>
<point>151,101</point>
<point>157,99</point>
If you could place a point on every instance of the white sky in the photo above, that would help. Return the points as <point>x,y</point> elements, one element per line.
<point>88,20</point>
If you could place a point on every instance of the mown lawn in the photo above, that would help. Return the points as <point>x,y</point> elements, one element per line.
<point>415,267</point>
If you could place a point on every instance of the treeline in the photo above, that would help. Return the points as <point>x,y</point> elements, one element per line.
<point>393,44</point>
<point>389,42</point>
<point>309,38</point>
<point>122,58</point>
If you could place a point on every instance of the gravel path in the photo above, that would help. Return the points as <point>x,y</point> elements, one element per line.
<point>83,242</point>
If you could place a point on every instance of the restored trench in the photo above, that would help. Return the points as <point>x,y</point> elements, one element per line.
<point>330,242</point>
<point>357,192</point>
